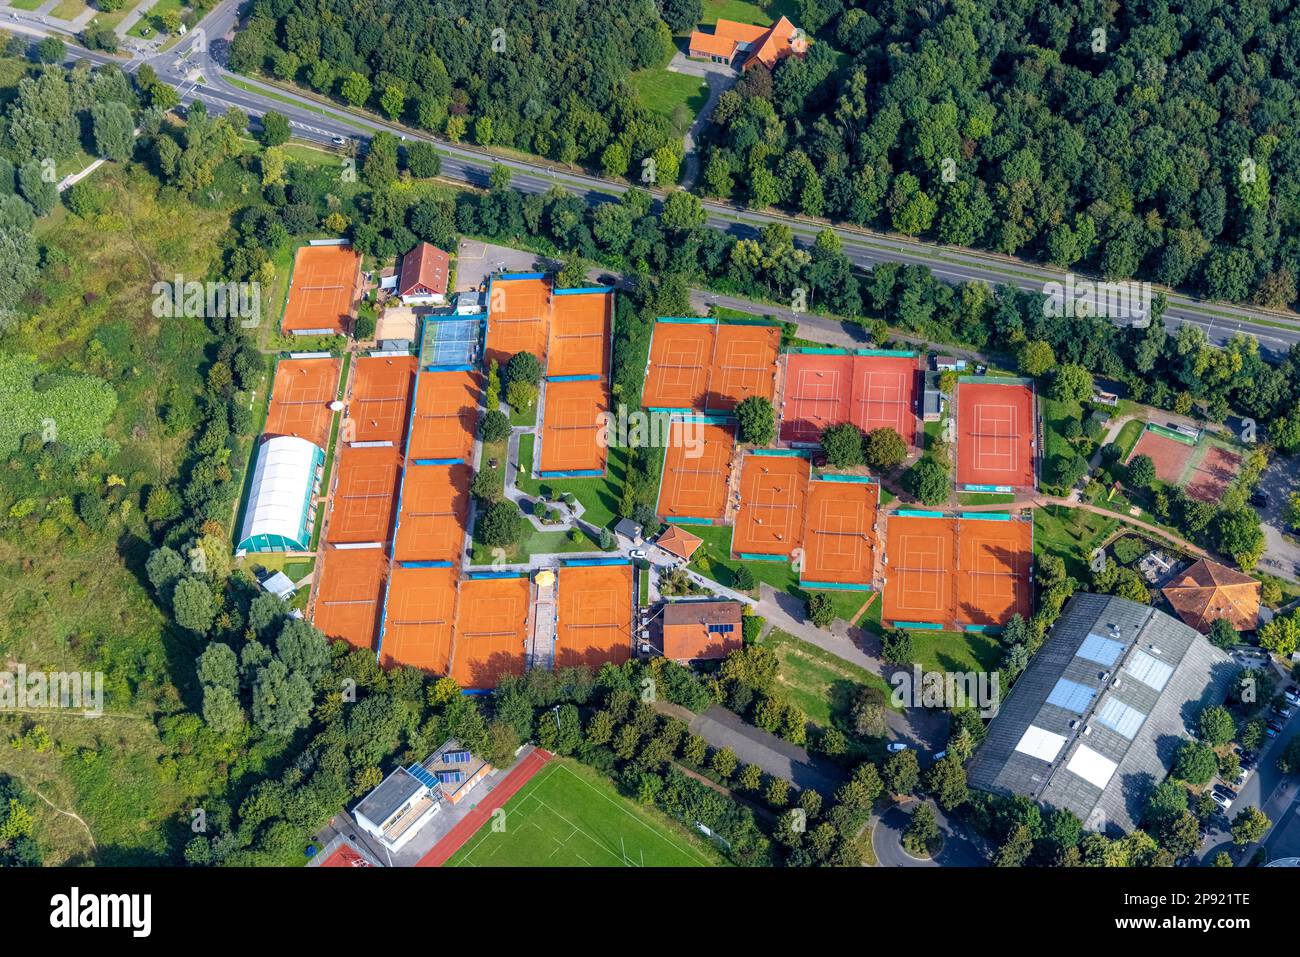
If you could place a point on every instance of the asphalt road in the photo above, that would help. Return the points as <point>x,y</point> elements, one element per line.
<point>200,77</point>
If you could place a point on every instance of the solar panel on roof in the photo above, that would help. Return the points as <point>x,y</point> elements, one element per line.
<point>449,777</point>
<point>418,772</point>
<point>455,757</point>
<point>1149,670</point>
<point>1071,696</point>
<point>1120,718</point>
<point>1104,651</point>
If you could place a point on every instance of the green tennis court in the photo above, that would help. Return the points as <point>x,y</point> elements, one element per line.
<point>562,818</point>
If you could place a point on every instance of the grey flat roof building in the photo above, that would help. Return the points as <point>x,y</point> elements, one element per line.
<point>1094,722</point>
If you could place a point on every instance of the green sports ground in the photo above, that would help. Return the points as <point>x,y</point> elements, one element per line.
<point>567,816</point>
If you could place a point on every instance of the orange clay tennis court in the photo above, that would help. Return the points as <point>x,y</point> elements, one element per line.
<point>714,366</point>
<point>773,489</point>
<point>872,392</point>
<point>325,285</point>
<point>446,416</point>
<point>595,615</point>
<point>678,377</point>
<point>361,509</point>
<point>743,365</point>
<point>840,539</point>
<point>571,427</point>
<point>491,630</point>
<point>518,319</point>
<point>696,475</point>
<point>1169,456</point>
<point>435,511</point>
<point>1213,474</point>
<point>349,594</point>
<point>993,570</point>
<point>381,397</point>
<point>300,399</point>
<point>919,573</point>
<point>995,434</point>
<point>579,336</point>
<point>418,619</point>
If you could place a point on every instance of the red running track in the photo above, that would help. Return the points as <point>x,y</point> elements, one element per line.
<point>468,826</point>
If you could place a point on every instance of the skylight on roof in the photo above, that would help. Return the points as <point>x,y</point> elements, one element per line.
<point>1104,651</point>
<point>1149,670</point>
<point>1120,718</point>
<point>1091,766</point>
<point>1071,696</point>
<point>1040,744</point>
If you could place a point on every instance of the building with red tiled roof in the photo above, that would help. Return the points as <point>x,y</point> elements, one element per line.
<point>701,630</point>
<point>424,274</point>
<point>743,44</point>
<point>1208,590</point>
<point>679,543</point>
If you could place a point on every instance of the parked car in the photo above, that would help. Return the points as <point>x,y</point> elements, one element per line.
<point>1259,498</point>
<point>1292,694</point>
<point>895,746</point>
<point>1223,801</point>
<point>1282,711</point>
<point>637,553</point>
<point>941,755</point>
<point>1272,729</point>
<point>1240,781</point>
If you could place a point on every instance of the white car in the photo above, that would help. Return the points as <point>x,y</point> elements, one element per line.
<point>637,553</point>
<point>895,746</point>
<point>338,141</point>
<point>1222,800</point>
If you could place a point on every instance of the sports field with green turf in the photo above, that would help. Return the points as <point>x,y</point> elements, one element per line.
<point>567,816</point>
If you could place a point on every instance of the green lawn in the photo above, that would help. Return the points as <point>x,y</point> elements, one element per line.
<point>599,495</point>
<point>985,498</point>
<point>1057,446</point>
<point>1071,534</point>
<point>68,9</point>
<point>568,816</point>
<point>822,685</point>
<point>677,97</point>
<point>1128,436</point>
<point>743,11</point>
<point>25,4</point>
<point>153,19</point>
<point>955,650</point>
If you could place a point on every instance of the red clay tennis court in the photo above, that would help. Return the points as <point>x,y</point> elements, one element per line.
<point>872,392</point>
<point>435,512</point>
<point>446,416</point>
<point>697,470</point>
<point>840,538</point>
<point>361,509</point>
<point>1169,456</point>
<point>519,313</point>
<point>491,630</point>
<point>919,574</point>
<point>595,615</point>
<point>678,377</point>
<point>300,399</point>
<point>770,520</point>
<point>1213,474</point>
<point>325,285</point>
<point>743,365</point>
<point>995,434</point>
<point>349,594</point>
<point>571,426</point>
<point>579,336</point>
<point>418,621</point>
<point>995,560</point>
<point>381,398</point>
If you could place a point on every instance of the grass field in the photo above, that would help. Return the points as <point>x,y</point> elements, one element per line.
<point>1071,534</point>
<point>1128,437</point>
<point>955,650</point>
<point>821,684</point>
<point>762,12</point>
<point>568,816</point>
<point>599,496</point>
<point>153,18</point>
<point>678,97</point>
<point>68,9</point>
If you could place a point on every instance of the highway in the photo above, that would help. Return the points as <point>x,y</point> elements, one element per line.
<point>191,68</point>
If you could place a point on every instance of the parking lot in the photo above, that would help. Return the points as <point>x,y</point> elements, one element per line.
<point>476,261</point>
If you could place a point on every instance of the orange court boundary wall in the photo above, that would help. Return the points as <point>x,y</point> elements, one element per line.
<point>301,393</point>
<point>709,367</point>
<point>594,611</point>
<point>324,288</point>
<point>969,572</point>
<point>998,442</point>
